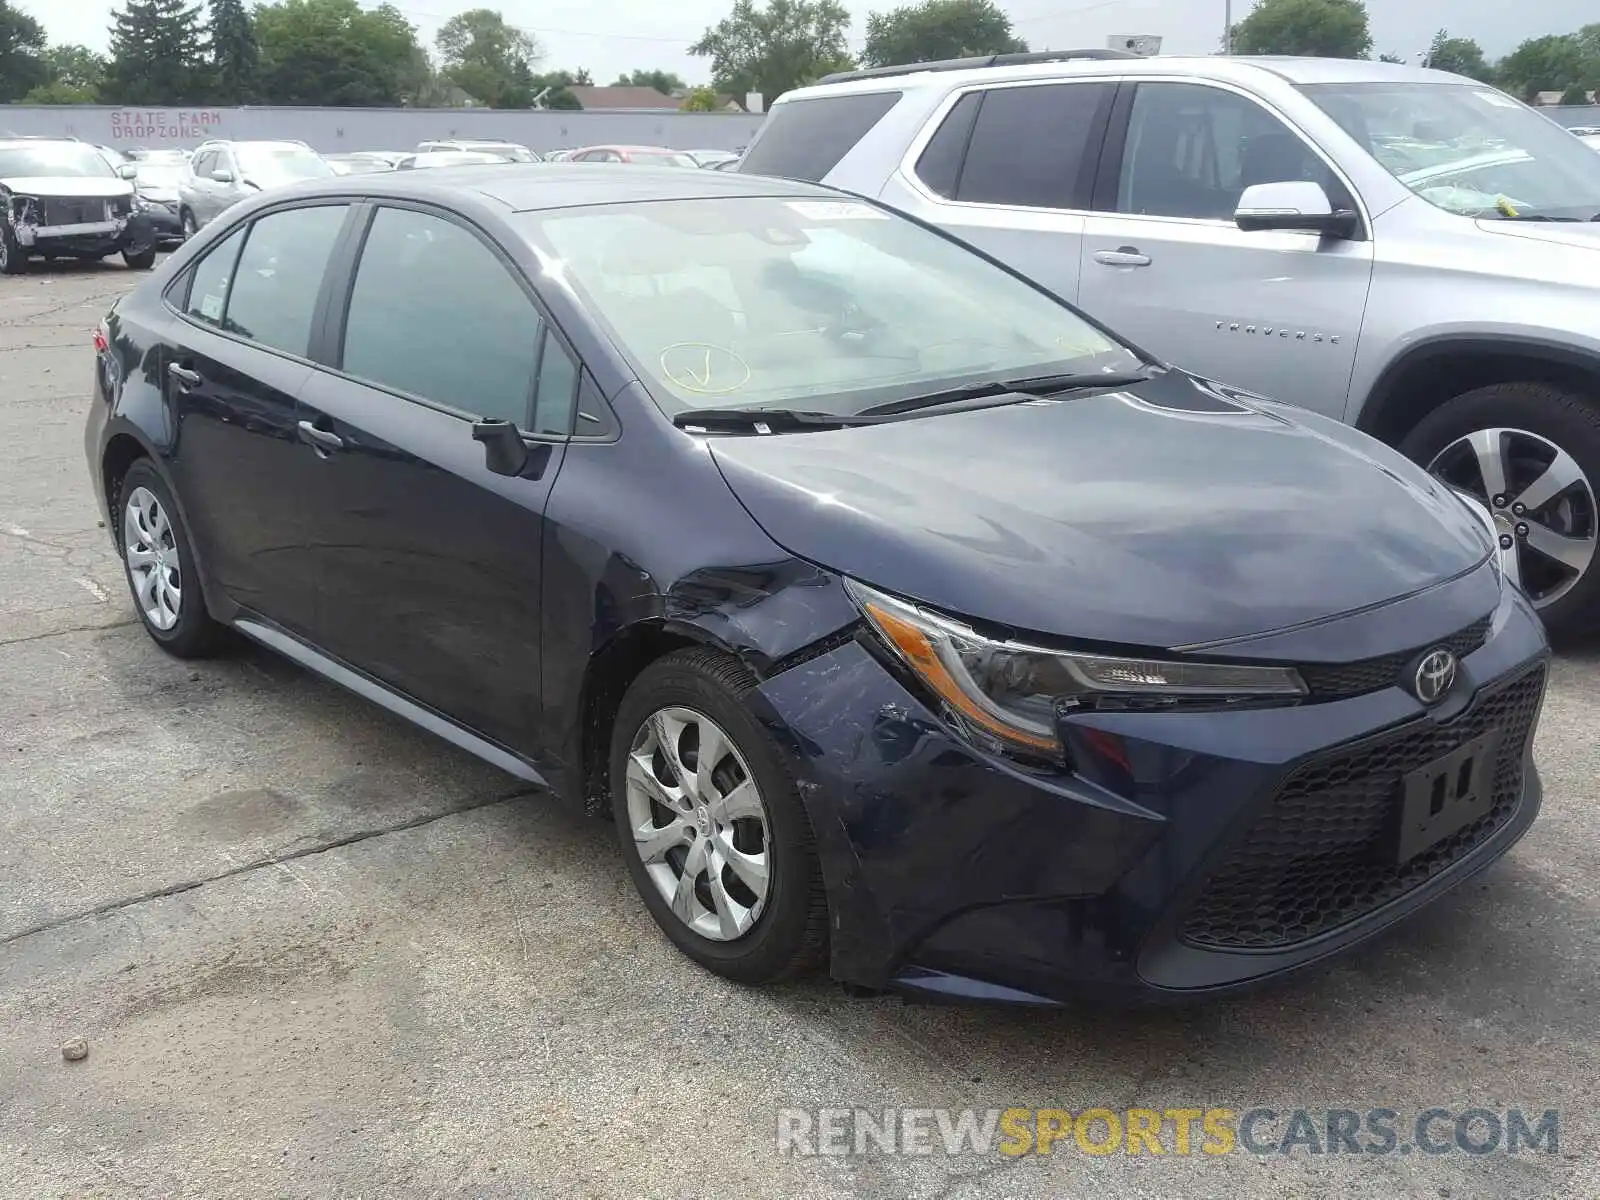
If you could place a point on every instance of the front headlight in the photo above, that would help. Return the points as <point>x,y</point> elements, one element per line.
<point>1012,694</point>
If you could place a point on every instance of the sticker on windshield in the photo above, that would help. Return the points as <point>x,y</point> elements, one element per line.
<point>828,210</point>
<point>211,307</point>
<point>1497,99</point>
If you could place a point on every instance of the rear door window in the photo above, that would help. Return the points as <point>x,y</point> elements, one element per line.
<point>805,139</point>
<point>208,286</point>
<point>940,164</point>
<point>279,277</point>
<point>1034,146</point>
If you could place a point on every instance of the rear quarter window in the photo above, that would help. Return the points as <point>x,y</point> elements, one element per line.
<point>805,139</point>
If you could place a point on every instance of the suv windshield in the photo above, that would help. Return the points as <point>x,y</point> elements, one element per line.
<point>825,305</point>
<point>268,166</point>
<point>54,158</point>
<point>1469,149</point>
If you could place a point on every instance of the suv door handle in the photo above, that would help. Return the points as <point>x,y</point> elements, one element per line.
<point>1122,256</point>
<point>319,439</point>
<point>184,376</point>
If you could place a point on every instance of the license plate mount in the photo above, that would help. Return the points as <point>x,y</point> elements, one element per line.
<point>1444,797</point>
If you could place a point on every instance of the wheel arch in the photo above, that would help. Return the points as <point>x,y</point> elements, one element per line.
<point>1436,370</point>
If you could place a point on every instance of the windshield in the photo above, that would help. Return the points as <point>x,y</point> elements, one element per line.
<point>663,158</point>
<point>54,158</point>
<point>1469,149</point>
<point>159,173</point>
<point>823,305</point>
<point>266,167</point>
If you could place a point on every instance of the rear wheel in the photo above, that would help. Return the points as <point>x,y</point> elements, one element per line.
<point>1530,452</point>
<point>159,564</point>
<point>140,258</point>
<point>712,827</point>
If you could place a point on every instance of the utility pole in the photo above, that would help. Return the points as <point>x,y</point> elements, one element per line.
<point>1227,26</point>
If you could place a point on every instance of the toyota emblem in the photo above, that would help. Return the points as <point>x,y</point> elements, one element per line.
<point>1435,675</point>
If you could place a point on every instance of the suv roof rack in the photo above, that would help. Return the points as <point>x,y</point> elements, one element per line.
<point>971,64</point>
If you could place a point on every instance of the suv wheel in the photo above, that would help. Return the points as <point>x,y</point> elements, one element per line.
<point>712,827</point>
<point>1531,453</point>
<point>190,228</point>
<point>13,258</point>
<point>159,564</point>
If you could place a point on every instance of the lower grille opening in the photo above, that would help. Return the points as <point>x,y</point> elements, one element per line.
<point>1314,860</point>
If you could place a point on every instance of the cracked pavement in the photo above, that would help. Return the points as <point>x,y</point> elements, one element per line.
<point>316,953</point>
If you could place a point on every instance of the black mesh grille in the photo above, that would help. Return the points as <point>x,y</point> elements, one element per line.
<point>1331,681</point>
<point>1314,860</point>
<point>73,212</point>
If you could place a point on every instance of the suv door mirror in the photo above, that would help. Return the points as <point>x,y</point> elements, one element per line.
<point>222,175</point>
<point>1303,206</point>
<point>126,170</point>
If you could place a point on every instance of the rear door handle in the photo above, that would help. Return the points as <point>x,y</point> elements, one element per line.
<point>319,439</point>
<point>1122,256</point>
<point>184,376</point>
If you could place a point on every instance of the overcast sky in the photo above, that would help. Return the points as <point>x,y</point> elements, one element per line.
<point>612,36</point>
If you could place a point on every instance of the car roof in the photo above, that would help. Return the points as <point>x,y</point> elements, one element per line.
<point>13,143</point>
<point>1241,69</point>
<point>529,187</point>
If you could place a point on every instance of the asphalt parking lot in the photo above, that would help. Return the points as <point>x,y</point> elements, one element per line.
<point>316,953</point>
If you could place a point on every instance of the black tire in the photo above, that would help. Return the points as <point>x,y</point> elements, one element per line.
<point>1565,418</point>
<point>195,634</point>
<point>789,937</point>
<point>141,259</point>
<point>190,225</point>
<point>13,256</point>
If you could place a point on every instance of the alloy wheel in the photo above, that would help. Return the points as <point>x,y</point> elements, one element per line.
<point>699,823</point>
<point>151,553</point>
<point>1542,504</point>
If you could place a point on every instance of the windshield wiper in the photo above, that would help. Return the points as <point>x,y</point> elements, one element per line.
<point>762,420</point>
<point>1028,388</point>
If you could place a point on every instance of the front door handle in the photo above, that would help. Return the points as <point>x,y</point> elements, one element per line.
<point>319,439</point>
<point>1122,256</point>
<point>184,376</point>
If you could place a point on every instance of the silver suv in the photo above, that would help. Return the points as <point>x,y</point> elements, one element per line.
<point>223,173</point>
<point>1409,251</point>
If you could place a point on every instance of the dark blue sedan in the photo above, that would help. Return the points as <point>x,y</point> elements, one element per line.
<point>907,623</point>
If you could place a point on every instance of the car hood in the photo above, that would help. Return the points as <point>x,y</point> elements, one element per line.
<point>1584,235</point>
<point>67,185</point>
<point>1173,513</point>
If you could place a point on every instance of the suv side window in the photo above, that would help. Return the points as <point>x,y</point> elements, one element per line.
<point>204,163</point>
<point>208,283</point>
<point>805,139</point>
<point>275,288</point>
<point>436,314</point>
<point>1031,146</point>
<point>939,165</point>
<point>1191,150</point>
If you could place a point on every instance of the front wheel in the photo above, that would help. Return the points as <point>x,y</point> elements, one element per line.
<point>712,827</point>
<point>190,228</point>
<point>13,256</point>
<point>1530,452</point>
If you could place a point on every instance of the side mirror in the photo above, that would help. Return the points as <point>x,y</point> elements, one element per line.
<point>222,175</point>
<point>126,171</point>
<point>1300,206</point>
<point>504,451</point>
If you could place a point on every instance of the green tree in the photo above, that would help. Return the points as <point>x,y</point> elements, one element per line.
<point>560,85</point>
<point>701,99</point>
<point>335,52</point>
<point>771,50</point>
<point>75,76</point>
<point>158,54</point>
<point>235,54</point>
<point>1322,28</point>
<point>488,59</point>
<point>1462,56</point>
<point>21,46</point>
<point>1575,95</point>
<point>1390,58</point>
<point>1551,63</point>
<point>664,82</point>
<point>938,29</point>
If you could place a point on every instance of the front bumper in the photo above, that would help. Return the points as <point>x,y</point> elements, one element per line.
<point>1184,854</point>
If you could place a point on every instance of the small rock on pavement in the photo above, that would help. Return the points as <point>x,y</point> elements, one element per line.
<point>75,1049</point>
